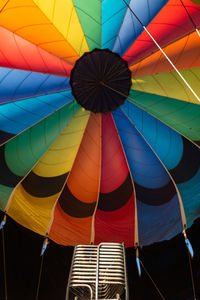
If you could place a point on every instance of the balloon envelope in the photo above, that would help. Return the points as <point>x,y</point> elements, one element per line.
<point>126,167</point>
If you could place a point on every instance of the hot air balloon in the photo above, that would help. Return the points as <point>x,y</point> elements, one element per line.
<point>99,120</point>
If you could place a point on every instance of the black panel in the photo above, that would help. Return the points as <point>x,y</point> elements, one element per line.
<point>118,198</point>
<point>74,207</point>
<point>92,72</point>
<point>43,186</point>
<point>5,136</point>
<point>6,176</point>
<point>189,164</point>
<point>157,196</point>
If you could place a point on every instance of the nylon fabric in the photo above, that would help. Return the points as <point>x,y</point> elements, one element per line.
<point>18,53</point>
<point>164,29</point>
<point>79,169</point>
<point>90,20</point>
<point>180,115</point>
<point>131,28</point>
<point>17,84</point>
<point>180,157</point>
<point>32,25</point>
<point>166,142</point>
<point>62,15</point>
<point>117,224</point>
<point>184,54</point>
<point>113,14</point>
<point>140,157</point>
<point>159,84</point>
<point>114,169</point>
<point>20,154</point>
<point>196,2</point>
<point>75,225</point>
<point>16,117</point>
<point>37,210</point>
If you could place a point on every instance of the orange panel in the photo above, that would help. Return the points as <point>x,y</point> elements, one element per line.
<point>67,230</point>
<point>18,53</point>
<point>24,18</point>
<point>73,214</point>
<point>184,53</point>
<point>83,180</point>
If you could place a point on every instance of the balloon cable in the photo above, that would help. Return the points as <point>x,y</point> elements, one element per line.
<point>130,98</point>
<point>156,287</point>
<point>4,6</point>
<point>4,264</point>
<point>169,60</point>
<point>192,21</point>
<point>39,279</point>
<point>192,276</point>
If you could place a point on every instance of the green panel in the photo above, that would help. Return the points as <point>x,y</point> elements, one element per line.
<point>89,14</point>
<point>180,115</point>
<point>5,193</point>
<point>24,150</point>
<point>170,84</point>
<point>197,2</point>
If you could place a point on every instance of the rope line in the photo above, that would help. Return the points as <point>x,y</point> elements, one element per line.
<point>4,265</point>
<point>192,276</point>
<point>39,279</point>
<point>191,271</point>
<point>192,21</point>
<point>130,98</point>
<point>156,287</point>
<point>4,6</point>
<point>169,60</point>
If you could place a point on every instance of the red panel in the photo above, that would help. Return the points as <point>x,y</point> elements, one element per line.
<point>184,53</point>
<point>18,53</point>
<point>170,24</point>
<point>117,226</point>
<point>114,169</point>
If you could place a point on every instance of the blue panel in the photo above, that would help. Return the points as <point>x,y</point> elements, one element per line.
<point>166,142</point>
<point>190,193</point>
<point>171,149</point>
<point>18,116</point>
<point>145,167</point>
<point>113,13</point>
<point>19,84</point>
<point>157,223</point>
<point>145,10</point>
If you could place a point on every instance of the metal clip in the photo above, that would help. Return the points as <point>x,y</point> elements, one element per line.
<point>138,262</point>
<point>44,246</point>
<point>3,222</point>
<point>188,244</point>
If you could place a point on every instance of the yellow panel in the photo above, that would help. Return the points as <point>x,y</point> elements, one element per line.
<point>3,3</point>
<point>35,212</point>
<point>59,158</point>
<point>26,19</point>
<point>64,17</point>
<point>170,84</point>
<point>31,212</point>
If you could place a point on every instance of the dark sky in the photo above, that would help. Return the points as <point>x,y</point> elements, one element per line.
<point>167,262</point>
